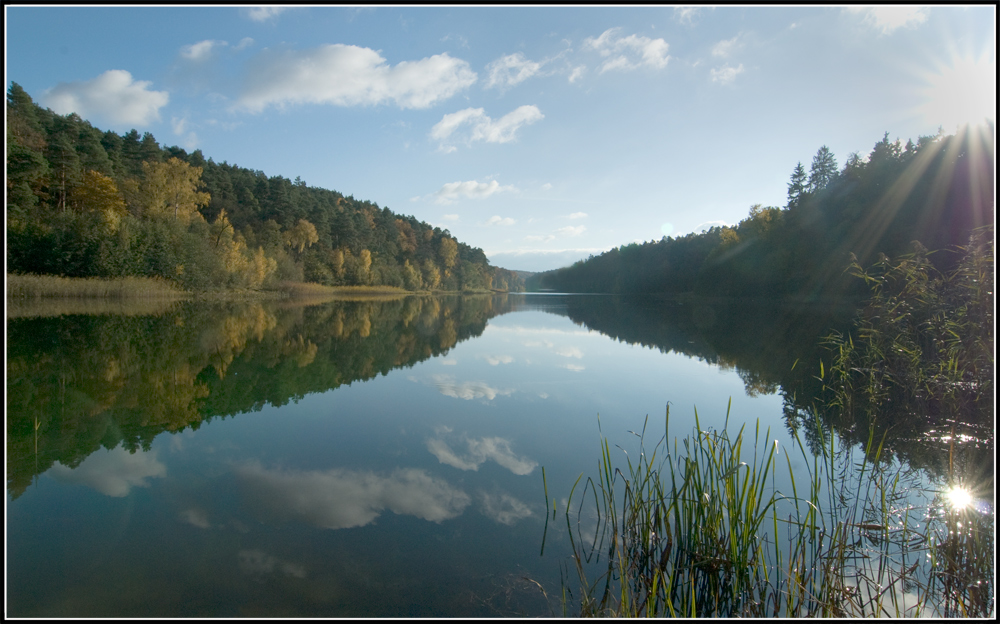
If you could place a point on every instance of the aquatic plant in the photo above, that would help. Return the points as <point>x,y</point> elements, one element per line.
<point>700,529</point>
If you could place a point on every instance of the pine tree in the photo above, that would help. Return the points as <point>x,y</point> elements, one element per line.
<point>797,186</point>
<point>823,170</point>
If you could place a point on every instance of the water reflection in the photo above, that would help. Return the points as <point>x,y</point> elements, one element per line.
<point>76,384</point>
<point>341,498</point>
<point>271,477</point>
<point>477,452</point>
<point>112,473</point>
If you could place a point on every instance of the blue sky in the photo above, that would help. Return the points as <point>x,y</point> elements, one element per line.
<point>541,135</point>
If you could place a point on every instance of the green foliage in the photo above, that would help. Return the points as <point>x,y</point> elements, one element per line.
<point>935,191</point>
<point>78,383</point>
<point>700,530</point>
<point>279,229</point>
<point>921,354</point>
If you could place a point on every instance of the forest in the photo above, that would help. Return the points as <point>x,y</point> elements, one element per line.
<point>87,203</point>
<point>933,193</point>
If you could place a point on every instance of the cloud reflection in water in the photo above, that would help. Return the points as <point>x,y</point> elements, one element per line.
<point>340,498</point>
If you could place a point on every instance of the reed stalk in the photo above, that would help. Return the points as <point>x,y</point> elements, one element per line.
<point>700,529</point>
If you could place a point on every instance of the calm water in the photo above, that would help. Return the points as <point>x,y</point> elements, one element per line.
<point>369,458</point>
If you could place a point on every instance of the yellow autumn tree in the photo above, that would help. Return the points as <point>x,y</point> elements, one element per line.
<point>301,236</point>
<point>98,193</point>
<point>449,252</point>
<point>170,189</point>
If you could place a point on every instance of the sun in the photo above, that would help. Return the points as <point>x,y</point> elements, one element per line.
<point>961,92</point>
<point>959,497</point>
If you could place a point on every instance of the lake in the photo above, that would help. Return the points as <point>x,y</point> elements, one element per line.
<point>354,458</point>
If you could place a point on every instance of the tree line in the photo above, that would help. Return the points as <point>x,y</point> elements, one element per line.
<point>936,191</point>
<point>87,203</point>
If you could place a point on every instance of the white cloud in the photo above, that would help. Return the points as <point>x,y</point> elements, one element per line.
<point>497,220</point>
<point>196,517</point>
<point>495,360</point>
<point>259,563</point>
<point>578,215</point>
<point>467,390</point>
<point>181,128</point>
<point>346,75</point>
<point>571,352</point>
<point>113,95</point>
<point>577,73</point>
<point>503,508</point>
<point>472,124</point>
<point>340,498</point>
<point>629,52</point>
<point>264,13</point>
<point>201,50</point>
<point>244,43</point>
<point>572,230</point>
<point>453,191</point>
<point>686,14</point>
<point>726,47</point>
<point>510,70</point>
<point>576,368</point>
<point>726,74</point>
<point>704,227</point>
<point>450,217</point>
<point>547,186</point>
<point>891,17</point>
<point>478,451</point>
<point>113,473</point>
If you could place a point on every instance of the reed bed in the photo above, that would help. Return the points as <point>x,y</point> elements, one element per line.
<point>20,287</point>
<point>301,290</point>
<point>701,530</point>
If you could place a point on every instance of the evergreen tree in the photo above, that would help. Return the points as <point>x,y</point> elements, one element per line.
<point>823,169</point>
<point>797,186</point>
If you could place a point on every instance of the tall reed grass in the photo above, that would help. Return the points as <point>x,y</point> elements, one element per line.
<point>701,529</point>
<point>53,286</point>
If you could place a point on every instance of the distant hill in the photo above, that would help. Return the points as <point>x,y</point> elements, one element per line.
<point>84,203</point>
<point>932,194</point>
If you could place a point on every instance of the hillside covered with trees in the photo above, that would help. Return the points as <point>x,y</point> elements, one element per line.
<point>87,203</point>
<point>936,191</point>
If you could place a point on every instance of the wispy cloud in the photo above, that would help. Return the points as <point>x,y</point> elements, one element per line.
<point>264,13</point>
<point>686,14</point>
<point>510,70</point>
<point>572,230</point>
<point>478,451</point>
<point>181,128</point>
<point>347,75</point>
<point>726,47</point>
<point>202,50</point>
<point>113,95</point>
<point>340,498</point>
<point>473,124</point>
<point>627,53</point>
<point>467,390</point>
<point>497,220</point>
<point>453,191</point>
<point>578,215</point>
<point>503,508</point>
<point>889,18</point>
<point>113,473</point>
<point>726,74</point>
<point>259,563</point>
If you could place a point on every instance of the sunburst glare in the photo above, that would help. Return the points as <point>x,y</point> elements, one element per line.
<point>959,497</point>
<point>961,92</point>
